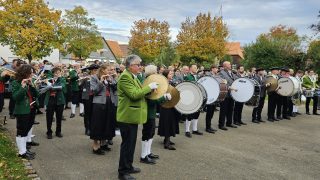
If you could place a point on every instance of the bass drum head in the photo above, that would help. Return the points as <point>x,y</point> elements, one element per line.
<point>287,86</point>
<point>245,89</point>
<point>191,98</point>
<point>212,88</point>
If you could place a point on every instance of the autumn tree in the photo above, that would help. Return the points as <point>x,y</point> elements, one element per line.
<point>314,53</point>
<point>281,46</point>
<point>30,28</point>
<point>202,39</point>
<point>148,38</point>
<point>82,35</point>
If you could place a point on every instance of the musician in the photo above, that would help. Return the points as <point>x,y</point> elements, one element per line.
<point>290,102</point>
<point>226,106</point>
<point>273,97</point>
<point>16,63</point>
<point>4,77</point>
<point>298,76</point>
<point>87,98</point>
<point>54,101</point>
<point>238,106</point>
<point>309,82</point>
<point>76,96</point>
<point>282,103</point>
<point>211,108</point>
<point>148,130</point>
<point>261,79</point>
<point>192,118</point>
<point>24,94</point>
<point>131,111</point>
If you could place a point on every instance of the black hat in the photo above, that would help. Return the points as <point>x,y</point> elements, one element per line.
<point>259,69</point>
<point>274,68</point>
<point>286,69</point>
<point>93,66</point>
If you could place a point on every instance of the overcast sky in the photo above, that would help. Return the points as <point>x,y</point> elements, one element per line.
<point>245,18</point>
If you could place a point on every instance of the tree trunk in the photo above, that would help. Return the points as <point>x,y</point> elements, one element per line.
<point>29,56</point>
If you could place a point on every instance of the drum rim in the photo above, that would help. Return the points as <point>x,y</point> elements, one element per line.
<point>212,77</point>
<point>295,89</point>
<point>252,91</point>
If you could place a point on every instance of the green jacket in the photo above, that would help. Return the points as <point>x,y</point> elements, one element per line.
<point>59,94</point>
<point>65,87</point>
<point>132,106</point>
<point>308,84</point>
<point>73,80</point>
<point>189,77</point>
<point>19,95</point>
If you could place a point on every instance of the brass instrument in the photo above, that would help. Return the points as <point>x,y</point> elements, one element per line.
<point>273,84</point>
<point>163,85</point>
<point>11,72</point>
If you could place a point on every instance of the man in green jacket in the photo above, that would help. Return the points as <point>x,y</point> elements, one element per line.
<point>309,83</point>
<point>131,111</point>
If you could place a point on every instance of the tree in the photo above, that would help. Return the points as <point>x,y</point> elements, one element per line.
<point>316,27</point>
<point>30,28</point>
<point>314,53</point>
<point>148,38</point>
<point>281,46</point>
<point>82,36</point>
<point>202,39</point>
<point>167,56</point>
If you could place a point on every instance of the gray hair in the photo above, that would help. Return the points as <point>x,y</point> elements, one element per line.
<point>150,69</point>
<point>131,58</point>
<point>33,63</point>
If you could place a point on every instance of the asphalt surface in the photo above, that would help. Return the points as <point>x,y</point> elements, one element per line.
<point>289,149</point>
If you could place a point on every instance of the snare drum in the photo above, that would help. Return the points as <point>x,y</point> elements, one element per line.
<point>193,97</point>
<point>254,100</point>
<point>288,86</point>
<point>214,87</point>
<point>245,89</point>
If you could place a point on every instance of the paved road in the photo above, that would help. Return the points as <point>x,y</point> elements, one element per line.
<point>280,150</point>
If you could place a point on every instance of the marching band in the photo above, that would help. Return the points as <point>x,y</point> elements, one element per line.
<point>114,97</point>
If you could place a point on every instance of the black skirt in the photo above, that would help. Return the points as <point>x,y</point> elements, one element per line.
<point>168,122</point>
<point>102,127</point>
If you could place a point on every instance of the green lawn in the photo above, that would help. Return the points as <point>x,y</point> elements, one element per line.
<point>11,167</point>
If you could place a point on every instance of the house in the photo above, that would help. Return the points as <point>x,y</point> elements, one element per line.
<point>235,51</point>
<point>125,49</point>
<point>115,48</point>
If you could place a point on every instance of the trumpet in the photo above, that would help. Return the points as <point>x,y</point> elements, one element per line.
<point>11,72</point>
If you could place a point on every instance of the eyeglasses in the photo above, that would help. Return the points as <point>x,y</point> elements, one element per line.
<point>112,69</point>
<point>136,64</point>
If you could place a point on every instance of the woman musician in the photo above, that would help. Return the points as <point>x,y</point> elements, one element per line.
<point>24,94</point>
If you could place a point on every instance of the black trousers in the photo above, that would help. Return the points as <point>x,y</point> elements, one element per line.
<point>87,112</point>
<point>41,100</point>
<point>128,144</point>
<point>272,104</point>
<point>237,113</point>
<point>75,97</point>
<point>149,129</point>
<point>315,103</point>
<point>51,109</point>
<point>256,113</point>
<point>25,123</point>
<point>226,110</point>
<point>1,101</point>
<point>209,115</point>
<point>282,106</point>
<point>290,106</point>
<point>11,105</point>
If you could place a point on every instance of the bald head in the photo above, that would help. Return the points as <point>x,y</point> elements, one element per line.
<point>227,65</point>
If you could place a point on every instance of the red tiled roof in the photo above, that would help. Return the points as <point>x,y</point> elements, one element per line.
<point>125,49</point>
<point>115,48</point>
<point>233,48</point>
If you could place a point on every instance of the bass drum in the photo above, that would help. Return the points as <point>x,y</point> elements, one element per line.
<point>213,88</point>
<point>254,101</point>
<point>245,89</point>
<point>193,97</point>
<point>288,86</point>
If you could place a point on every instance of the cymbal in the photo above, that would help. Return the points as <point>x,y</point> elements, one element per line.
<point>162,88</point>
<point>274,83</point>
<point>175,98</point>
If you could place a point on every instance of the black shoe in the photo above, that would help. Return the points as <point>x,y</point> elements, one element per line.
<point>275,119</point>
<point>308,113</point>
<point>134,170</point>
<point>67,107</point>
<point>261,121</point>
<point>26,156</point>
<point>236,123</point>
<point>82,114</point>
<point>49,136</point>
<point>105,148</point>
<point>98,151</point>
<point>110,142</point>
<point>297,113</point>
<point>147,160</point>
<point>31,153</point>
<point>255,121</point>
<point>197,133</point>
<point>72,115</point>
<point>242,123</point>
<point>59,135</point>
<point>39,112</point>
<point>223,128</point>
<point>36,123</point>
<point>32,143</point>
<point>210,130</point>
<point>286,117</point>
<point>12,116</point>
<point>188,134</point>
<point>232,126</point>
<point>169,147</point>
<point>126,177</point>
<point>316,114</point>
<point>153,156</point>
<point>270,119</point>
<point>170,142</point>
<point>279,118</point>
